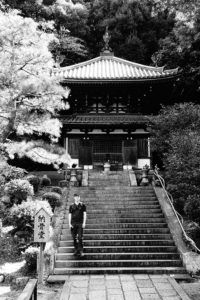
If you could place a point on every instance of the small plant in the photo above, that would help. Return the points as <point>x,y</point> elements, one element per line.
<point>18,190</point>
<point>56,189</point>
<point>45,181</point>
<point>31,254</point>
<point>53,198</point>
<point>35,181</point>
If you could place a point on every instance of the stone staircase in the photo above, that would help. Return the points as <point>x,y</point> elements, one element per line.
<point>126,231</point>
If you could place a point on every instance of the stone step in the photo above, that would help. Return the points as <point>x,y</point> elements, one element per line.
<point>123,212</point>
<point>119,263</point>
<point>121,249</point>
<point>117,195</point>
<point>144,236</point>
<point>111,206</point>
<point>121,215</point>
<point>108,183</point>
<point>121,231</point>
<point>125,188</point>
<point>120,200</point>
<point>119,191</point>
<point>111,202</point>
<point>120,270</point>
<point>102,243</point>
<point>121,225</point>
<point>120,256</point>
<point>106,191</point>
<point>122,220</point>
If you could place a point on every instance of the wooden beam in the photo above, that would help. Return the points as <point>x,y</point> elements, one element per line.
<point>29,290</point>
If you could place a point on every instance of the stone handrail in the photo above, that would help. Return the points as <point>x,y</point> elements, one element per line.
<point>57,230</point>
<point>178,216</point>
<point>30,291</point>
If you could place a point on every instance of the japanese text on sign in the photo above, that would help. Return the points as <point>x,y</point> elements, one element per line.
<point>41,226</point>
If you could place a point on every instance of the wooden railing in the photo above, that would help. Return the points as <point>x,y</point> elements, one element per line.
<point>30,291</point>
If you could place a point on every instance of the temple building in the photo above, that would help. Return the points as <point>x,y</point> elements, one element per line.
<point>110,101</point>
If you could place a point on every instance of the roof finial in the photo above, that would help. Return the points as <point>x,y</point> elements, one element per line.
<point>106,49</point>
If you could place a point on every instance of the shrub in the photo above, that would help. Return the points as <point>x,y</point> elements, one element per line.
<point>56,189</point>
<point>18,190</point>
<point>192,208</point>
<point>181,192</point>
<point>45,181</point>
<point>53,198</point>
<point>4,211</point>
<point>35,181</point>
<point>22,217</point>
<point>193,231</point>
<point>2,180</point>
<point>31,254</point>
<point>10,172</point>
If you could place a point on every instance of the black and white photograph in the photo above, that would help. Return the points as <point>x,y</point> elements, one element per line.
<point>99,150</point>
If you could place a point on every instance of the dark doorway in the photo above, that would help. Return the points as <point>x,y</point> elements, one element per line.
<point>130,150</point>
<point>107,148</point>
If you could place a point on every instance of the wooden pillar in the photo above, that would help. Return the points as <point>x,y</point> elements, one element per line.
<point>66,144</point>
<point>149,148</point>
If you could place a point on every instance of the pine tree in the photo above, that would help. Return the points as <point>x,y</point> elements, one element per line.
<point>30,97</point>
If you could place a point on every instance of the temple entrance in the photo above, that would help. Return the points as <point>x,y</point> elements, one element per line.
<point>107,149</point>
<point>96,150</point>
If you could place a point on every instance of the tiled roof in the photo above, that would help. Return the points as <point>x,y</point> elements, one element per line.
<point>111,68</point>
<point>104,119</point>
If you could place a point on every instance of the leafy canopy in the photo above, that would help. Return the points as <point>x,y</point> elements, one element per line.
<point>176,136</point>
<point>30,97</point>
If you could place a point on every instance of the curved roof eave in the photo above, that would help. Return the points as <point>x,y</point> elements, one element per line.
<point>112,69</point>
<point>140,80</point>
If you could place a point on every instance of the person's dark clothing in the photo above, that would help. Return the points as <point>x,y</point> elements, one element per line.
<point>77,235</point>
<point>76,212</point>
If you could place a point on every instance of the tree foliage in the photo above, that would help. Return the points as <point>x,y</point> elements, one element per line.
<point>135,30</point>
<point>176,135</point>
<point>30,97</point>
<point>70,25</point>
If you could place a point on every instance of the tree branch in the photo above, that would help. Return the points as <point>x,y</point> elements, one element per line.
<point>4,117</point>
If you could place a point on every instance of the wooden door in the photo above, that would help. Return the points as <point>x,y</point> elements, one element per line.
<point>73,147</point>
<point>85,153</point>
<point>107,148</point>
<point>130,152</point>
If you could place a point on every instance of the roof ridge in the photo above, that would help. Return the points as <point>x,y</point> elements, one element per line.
<point>111,67</point>
<point>110,57</point>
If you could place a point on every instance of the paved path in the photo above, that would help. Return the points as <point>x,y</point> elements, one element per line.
<point>122,287</point>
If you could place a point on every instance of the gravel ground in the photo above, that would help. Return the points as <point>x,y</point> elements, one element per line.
<point>192,289</point>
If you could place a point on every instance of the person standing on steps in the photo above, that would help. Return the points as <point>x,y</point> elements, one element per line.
<point>77,222</point>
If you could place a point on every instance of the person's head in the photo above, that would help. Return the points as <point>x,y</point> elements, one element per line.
<point>76,198</point>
